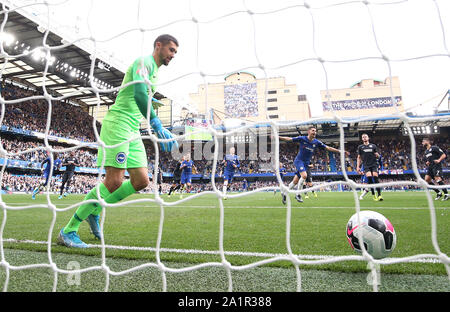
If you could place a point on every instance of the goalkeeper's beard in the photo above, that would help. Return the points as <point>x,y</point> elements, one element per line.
<point>166,61</point>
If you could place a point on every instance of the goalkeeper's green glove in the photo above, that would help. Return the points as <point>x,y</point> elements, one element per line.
<point>163,133</point>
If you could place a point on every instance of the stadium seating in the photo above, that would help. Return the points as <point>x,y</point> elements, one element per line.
<point>71,122</point>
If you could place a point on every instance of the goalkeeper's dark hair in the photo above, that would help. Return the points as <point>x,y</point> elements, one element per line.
<point>165,39</point>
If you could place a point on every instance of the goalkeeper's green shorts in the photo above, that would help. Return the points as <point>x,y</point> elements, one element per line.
<point>127,155</point>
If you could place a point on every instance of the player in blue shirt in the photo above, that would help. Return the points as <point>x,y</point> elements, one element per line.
<point>307,146</point>
<point>46,172</point>
<point>186,173</point>
<point>244,185</point>
<point>231,162</point>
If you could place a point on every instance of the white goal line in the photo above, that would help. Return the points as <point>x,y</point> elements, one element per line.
<point>423,259</point>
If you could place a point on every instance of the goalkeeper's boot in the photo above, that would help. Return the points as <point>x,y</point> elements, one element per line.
<point>94,223</point>
<point>299,198</point>
<point>71,239</point>
<point>438,196</point>
<point>445,197</point>
<point>306,196</point>
<point>380,198</point>
<point>375,198</point>
<point>315,194</point>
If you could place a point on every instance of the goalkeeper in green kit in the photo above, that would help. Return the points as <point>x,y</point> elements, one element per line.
<point>121,124</point>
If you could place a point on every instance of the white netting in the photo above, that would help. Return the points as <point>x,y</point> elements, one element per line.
<point>383,55</point>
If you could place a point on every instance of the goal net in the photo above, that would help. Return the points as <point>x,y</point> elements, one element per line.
<point>317,44</point>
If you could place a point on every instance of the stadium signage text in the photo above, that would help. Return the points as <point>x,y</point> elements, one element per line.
<point>362,103</point>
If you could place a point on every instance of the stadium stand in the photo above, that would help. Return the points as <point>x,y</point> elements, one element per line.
<point>68,121</point>
<point>24,122</point>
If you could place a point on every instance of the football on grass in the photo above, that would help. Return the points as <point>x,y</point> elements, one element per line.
<point>376,231</point>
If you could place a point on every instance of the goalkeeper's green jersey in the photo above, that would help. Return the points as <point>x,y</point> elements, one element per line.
<point>125,108</point>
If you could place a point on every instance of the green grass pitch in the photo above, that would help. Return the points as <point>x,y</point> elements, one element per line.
<point>254,229</point>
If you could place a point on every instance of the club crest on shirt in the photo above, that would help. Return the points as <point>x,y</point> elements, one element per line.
<point>121,157</point>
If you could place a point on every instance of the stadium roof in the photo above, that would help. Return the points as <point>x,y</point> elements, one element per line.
<point>328,128</point>
<point>69,67</point>
<point>238,73</point>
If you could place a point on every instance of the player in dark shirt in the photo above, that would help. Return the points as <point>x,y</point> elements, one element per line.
<point>365,180</point>
<point>308,181</point>
<point>433,159</point>
<point>368,156</point>
<point>159,178</point>
<point>71,163</point>
<point>176,181</point>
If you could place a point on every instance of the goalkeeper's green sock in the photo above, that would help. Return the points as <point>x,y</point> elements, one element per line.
<point>85,209</point>
<point>125,190</point>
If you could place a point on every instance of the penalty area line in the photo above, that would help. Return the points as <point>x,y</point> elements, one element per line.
<point>61,206</point>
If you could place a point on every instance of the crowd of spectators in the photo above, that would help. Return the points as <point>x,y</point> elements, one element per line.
<point>241,100</point>
<point>67,120</point>
<point>26,183</point>
<point>82,184</point>
<point>395,153</point>
<point>70,121</point>
<point>14,146</point>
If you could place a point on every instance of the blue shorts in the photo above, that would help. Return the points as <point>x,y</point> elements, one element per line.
<point>46,175</point>
<point>228,175</point>
<point>300,166</point>
<point>186,178</point>
<point>364,179</point>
